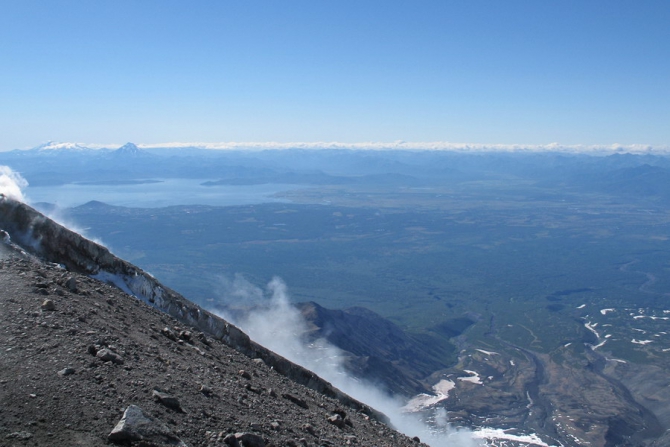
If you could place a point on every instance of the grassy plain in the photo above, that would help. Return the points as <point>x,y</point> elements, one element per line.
<point>542,262</point>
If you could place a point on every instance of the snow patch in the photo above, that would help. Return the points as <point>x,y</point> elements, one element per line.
<point>615,360</point>
<point>134,285</point>
<point>651,317</point>
<point>474,377</point>
<point>599,345</point>
<point>591,327</point>
<point>492,434</point>
<point>56,146</point>
<point>423,401</point>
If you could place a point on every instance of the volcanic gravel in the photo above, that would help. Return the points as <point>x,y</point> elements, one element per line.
<point>76,353</point>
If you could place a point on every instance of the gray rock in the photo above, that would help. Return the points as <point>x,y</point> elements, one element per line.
<point>136,426</point>
<point>336,420</point>
<point>169,333</point>
<point>66,371</point>
<point>21,435</point>
<point>186,336</point>
<point>71,284</point>
<point>48,305</point>
<point>351,439</point>
<point>207,391</point>
<point>244,440</point>
<point>203,339</point>
<point>168,400</point>
<point>248,387</point>
<point>296,400</point>
<point>107,355</point>
<point>341,412</point>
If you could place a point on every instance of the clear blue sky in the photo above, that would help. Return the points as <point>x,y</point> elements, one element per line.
<point>526,72</point>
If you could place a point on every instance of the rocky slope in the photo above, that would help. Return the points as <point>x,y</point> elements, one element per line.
<point>42,237</point>
<point>377,349</point>
<point>78,355</point>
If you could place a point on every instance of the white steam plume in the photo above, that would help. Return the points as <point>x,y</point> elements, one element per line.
<point>59,216</point>
<point>274,323</point>
<point>12,184</point>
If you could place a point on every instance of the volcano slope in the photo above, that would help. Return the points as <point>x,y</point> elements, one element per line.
<point>58,386</point>
<point>77,355</point>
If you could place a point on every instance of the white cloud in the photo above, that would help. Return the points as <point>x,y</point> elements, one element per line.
<point>595,149</point>
<point>430,145</point>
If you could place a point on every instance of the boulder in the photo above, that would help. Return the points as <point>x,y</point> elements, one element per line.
<point>48,305</point>
<point>71,284</point>
<point>168,400</point>
<point>136,426</point>
<point>66,371</point>
<point>107,355</point>
<point>336,420</point>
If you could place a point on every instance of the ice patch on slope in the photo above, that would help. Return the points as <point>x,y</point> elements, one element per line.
<point>493,434</point>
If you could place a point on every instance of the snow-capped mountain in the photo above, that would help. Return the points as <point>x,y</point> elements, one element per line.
<point>51,146</point>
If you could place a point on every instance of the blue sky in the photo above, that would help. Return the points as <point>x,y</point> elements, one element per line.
<point>498,72</point>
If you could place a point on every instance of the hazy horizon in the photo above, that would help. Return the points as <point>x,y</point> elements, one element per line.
<point>367,145</point>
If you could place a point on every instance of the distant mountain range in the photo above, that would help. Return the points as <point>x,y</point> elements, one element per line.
<point>638,175</point>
